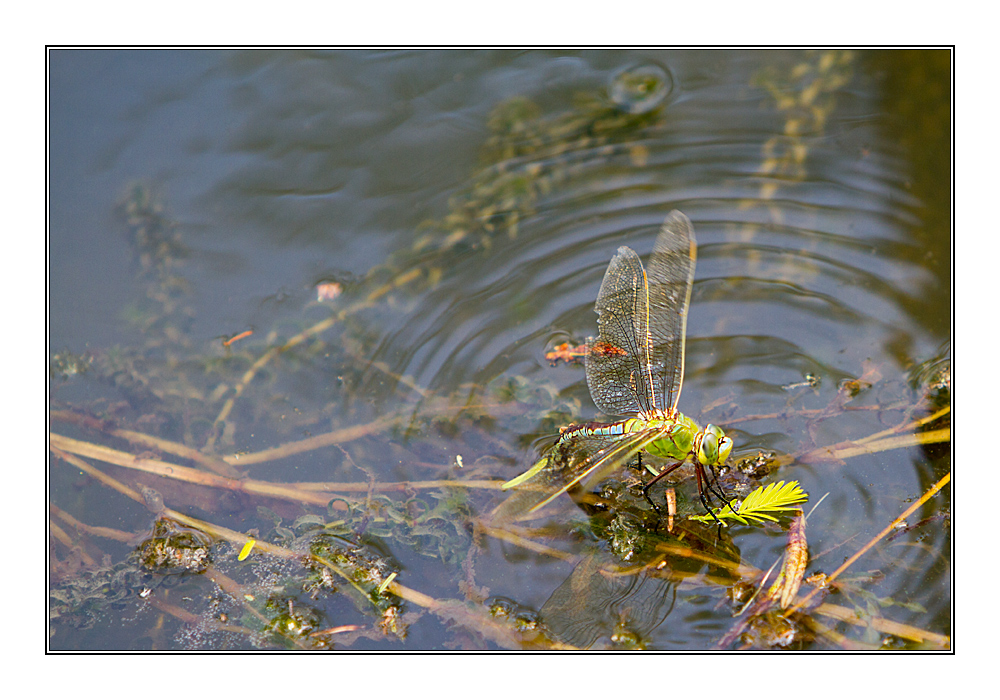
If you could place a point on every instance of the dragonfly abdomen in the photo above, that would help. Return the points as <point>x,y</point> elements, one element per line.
<point>616,429</point>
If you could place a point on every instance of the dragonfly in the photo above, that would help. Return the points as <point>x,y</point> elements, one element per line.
<point>635,368</point>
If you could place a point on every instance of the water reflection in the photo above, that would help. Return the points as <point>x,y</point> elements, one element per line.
<point>625,611</point>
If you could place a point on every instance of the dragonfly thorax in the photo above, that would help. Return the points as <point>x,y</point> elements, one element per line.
<point>684,438</point>
<point>678,438</point>
<point>659,414</point>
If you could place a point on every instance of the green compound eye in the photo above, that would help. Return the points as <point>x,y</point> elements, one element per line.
<point>725,447</point>
<point>715,446</point>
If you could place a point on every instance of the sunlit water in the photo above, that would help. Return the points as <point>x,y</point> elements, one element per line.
<point>474,200</point>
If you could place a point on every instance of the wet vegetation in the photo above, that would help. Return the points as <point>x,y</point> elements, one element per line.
<point>329,563</point>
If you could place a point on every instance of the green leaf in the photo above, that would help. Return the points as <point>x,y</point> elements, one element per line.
<point>518,480</point>
<point>761,505</point>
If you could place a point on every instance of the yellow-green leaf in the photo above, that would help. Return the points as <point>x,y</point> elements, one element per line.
<point>762,504</point>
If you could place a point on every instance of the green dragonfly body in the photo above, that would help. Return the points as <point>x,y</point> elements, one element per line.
<point>635,368</point>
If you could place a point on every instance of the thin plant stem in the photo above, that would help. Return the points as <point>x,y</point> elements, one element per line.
<point>882,624</point>
<point>334,437</point>
<point>527,543</point>
<point>94,530</point>
<point>194,476</point>
<point>912,426</point>
<point>219,466</point>
<point>845,450</point>
<point>347,486</point>
<point>314,493</point>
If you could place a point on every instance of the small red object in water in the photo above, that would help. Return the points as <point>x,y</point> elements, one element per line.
<point>573,354</point>
<point>566,353</point>
<point>606,350</point>
<point>239,336</point>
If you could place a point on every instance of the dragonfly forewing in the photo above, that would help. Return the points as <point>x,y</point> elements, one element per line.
<point>670,277</point>
<point>615,360</point>
<point>636,364</point>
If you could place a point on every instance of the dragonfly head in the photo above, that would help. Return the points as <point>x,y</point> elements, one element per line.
<point>714,447</point>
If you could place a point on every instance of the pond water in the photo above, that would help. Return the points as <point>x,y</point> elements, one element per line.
<point>407,234</point>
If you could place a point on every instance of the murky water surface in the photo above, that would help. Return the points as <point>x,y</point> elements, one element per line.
<point>407,234</point>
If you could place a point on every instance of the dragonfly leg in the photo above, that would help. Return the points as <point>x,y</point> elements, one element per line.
<point>704,482</point>
<point>715,490</point>
<point>698,469</point>
<point>720,492</point>
<point>647,487</point>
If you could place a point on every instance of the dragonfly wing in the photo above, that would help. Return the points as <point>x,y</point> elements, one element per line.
<point>618,361</point>
<point>608,459</point>
<point>671,275</point>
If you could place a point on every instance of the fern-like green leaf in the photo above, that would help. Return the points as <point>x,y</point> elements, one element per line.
<point>762,504</point>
